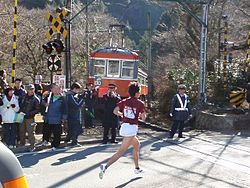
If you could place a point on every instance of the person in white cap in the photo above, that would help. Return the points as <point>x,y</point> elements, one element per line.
<point>180,111</point>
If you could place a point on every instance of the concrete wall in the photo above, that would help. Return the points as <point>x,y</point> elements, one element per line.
<point>208,120</point>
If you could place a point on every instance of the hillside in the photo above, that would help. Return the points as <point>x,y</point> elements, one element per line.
<point>132,13</point>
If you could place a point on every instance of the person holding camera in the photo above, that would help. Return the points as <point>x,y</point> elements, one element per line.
<point>75,102</point>
<point>8,111</point>
<point>90,96</point>
<point>110,120</point>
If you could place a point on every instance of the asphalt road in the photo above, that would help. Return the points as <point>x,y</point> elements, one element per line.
<point>202,159</point>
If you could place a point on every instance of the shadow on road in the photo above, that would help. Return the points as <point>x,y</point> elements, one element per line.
<point>80,155</point>
<point>83,154</point>
<point>130,181</point>
<point>32,159</point>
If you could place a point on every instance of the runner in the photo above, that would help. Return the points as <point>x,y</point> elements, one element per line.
<point>130,109</point>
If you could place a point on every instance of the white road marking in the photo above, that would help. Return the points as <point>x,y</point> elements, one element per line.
<point>237,165</point>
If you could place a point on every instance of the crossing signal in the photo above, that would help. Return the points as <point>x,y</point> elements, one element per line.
<point>48,47</point>
<point>58,45</point>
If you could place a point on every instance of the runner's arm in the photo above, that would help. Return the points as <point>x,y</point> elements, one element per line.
<point>117,111</point>
<point>143,116</point>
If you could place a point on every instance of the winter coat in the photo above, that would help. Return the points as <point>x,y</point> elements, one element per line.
<point>110,119</point>
<point>179,112</point>
<point>74,102</point>
<point>90,98</point>
<point>19,93</point>
<point>30,105</point>
<point>7,111</point>
<point>57,110</point>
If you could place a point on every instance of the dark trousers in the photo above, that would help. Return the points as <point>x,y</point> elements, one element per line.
<point>56,129</point>
<point>74,130</point>
<point>9,130</point>
<point>106,132</point>
<point>177,125</point>
<point>45,132</point>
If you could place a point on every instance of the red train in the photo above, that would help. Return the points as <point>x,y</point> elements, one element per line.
<point>119,66</point>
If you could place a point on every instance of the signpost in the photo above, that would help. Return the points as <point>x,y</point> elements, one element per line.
<point>60,80</point>
<point>56,23</point>
<point>54,64</point>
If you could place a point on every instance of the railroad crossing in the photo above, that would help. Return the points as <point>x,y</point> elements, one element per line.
<point>202,159</point>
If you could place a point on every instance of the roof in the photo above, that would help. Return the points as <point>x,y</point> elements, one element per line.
<point>117,53</point>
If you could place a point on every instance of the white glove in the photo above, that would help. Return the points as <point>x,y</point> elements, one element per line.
<point>171,115</point>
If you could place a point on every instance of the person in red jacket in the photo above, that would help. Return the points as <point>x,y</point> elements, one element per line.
<point>130,110</point>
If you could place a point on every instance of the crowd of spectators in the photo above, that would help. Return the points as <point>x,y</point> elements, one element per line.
<point>60,109</point>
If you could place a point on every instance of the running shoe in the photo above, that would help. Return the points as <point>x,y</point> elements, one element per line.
<point>102,170</point>
<point>138,171</point>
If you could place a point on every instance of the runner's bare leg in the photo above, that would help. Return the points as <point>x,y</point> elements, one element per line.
<point>126,142</point>
<point>136,145</point>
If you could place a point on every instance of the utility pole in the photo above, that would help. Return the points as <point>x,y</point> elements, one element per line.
<point>87,41</point>
<point>67,64</point>
<point>149,59</point>
<point>247,61</point>
<point>225,61</point>
<point>69,6</point>
<point>203,41</point>
<point>203,54</point>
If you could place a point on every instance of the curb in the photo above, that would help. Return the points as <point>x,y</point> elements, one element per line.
<point>94,140</point>
<point>39,148</point>
<point>153,126</point>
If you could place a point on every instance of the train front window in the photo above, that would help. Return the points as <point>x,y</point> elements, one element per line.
<point>99,68</point>
<point>113,68</point>
<point>128,69</point>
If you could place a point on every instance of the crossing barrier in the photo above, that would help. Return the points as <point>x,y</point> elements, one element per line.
<point>236,98</point>
<point>13,72</point>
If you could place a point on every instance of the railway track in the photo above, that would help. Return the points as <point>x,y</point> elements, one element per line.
<point>229,152</point>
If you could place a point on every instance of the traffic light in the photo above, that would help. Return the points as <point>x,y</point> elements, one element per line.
<point>48,47</point>
<point>58,45</point>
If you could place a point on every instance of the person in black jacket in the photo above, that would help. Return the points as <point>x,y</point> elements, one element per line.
<point>90,98</point>
<point>30,105</point>
<point>19,92</point>
<point>110,120</point>
<point>180,111</point>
